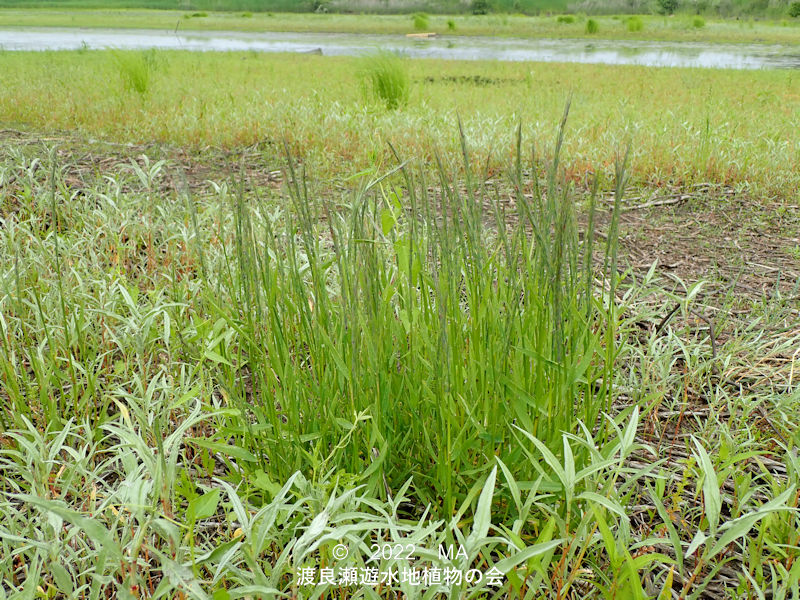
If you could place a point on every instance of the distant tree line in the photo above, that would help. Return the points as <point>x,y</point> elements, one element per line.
<point>724,8</point>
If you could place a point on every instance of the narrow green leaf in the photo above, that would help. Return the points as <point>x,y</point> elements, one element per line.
<point>711,495</point>
<point>93,528</point>
<point>225,449</point>
<point>607,503</point>
<point>387,221</point>
<point>505,565</point>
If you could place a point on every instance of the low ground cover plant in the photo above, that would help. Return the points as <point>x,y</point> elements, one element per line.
<point>209,389</point>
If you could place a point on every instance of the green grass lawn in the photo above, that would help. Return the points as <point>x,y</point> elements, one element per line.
<point>674,28</point>
<point>256,308</point>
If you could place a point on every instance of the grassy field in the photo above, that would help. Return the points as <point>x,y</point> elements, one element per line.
<point>673,28</point>
<point>258,309</point>
<point>732,127</point>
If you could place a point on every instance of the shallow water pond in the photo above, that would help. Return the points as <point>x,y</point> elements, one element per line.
<point>657,54</point>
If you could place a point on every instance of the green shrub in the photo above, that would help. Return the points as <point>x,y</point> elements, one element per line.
<point>247,15</point>
<point>421,21</point>
<point>592,26</point>
<point>451,25</point>
<point>634,24</point>
<point>667,7</point>
<point>480,7</point>
<point>565,19</point>
<point>794,10</point>
<point>698,22</point>
<point>385,79</point>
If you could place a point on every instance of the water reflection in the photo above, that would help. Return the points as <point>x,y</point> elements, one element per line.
<point>660,54</point>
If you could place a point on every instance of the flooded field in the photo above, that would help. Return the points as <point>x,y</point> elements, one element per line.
<point>615,52</point>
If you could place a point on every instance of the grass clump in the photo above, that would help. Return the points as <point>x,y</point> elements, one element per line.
<point>566,19</point>
<point>592,26</point>
<point>634,24</point>
<point>451,25</point>
<point>698,22</point>
<point>385,79</point>
<point>421,21</point>
<point>136,69</point>
<point>405,322</point>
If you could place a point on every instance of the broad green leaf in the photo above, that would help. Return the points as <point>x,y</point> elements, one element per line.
<point>483,512</point>
<point>699,538</point>
<point>711,495</point>
<point>387,221</point>
<point>61,577</point>
<point>312,532</point>
<point>203,506</point>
